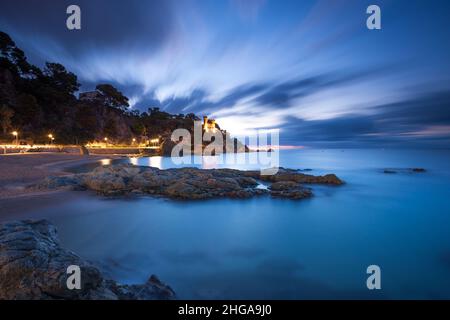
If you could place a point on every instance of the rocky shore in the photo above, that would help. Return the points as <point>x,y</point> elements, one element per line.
<point>190,183</point>
<point>33,265</point>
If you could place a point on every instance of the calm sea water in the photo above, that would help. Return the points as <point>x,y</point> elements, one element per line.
<point>281,249</point>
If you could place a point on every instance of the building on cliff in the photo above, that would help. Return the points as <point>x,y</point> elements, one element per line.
<point>208,124</point>
<point>91,96</point>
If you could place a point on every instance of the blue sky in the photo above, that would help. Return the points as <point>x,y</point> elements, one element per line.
<point>310,68</point>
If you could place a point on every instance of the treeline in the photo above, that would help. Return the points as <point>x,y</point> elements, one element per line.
<point>36,102</point>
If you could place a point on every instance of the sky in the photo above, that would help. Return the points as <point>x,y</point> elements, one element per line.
<point>310,68</point>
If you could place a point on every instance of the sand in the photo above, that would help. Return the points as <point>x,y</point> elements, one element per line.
<point>19,170</point>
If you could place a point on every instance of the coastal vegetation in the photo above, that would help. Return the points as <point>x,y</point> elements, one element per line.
<point>37,102</point>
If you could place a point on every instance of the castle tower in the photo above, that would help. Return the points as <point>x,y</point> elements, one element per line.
<point>205,122</point>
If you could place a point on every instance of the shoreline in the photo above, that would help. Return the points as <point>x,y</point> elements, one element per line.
<point>17,171</point>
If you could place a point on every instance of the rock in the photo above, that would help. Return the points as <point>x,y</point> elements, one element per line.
<point>291,175</point>
<point>191,183</point>
<point>296,194</point>
<point>69,182</point>
<point>284,185</point>
<point>289,189</point>
<point>33,265</point>
<point>404,170</point>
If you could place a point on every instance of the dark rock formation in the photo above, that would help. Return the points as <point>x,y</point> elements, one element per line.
<point>289,189</point>
<point>189,183</point>
<point>404,170</point>
<point>293,175</point>
<point>34,266</point>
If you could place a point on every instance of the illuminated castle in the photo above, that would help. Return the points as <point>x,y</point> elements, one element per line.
<point>208,124</point>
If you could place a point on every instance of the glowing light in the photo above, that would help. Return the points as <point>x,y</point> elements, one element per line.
<point>155,162</point>
<point>50,136</point>
<point>15,133</point>
<point>106,139</point>
<point>105,162</point>
<point>134,161</point>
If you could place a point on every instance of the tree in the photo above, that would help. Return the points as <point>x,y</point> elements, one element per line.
<point>6,115</point>
<point>192,116</point>
<point>10,52</point>
<point>28,111</point>
<point>61,79</point>
<point>134,113</point>
<point>110,128</point>
<point>113,97</point>
<point>85,124</point>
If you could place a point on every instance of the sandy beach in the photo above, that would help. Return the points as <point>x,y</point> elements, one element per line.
<point>19,170</point>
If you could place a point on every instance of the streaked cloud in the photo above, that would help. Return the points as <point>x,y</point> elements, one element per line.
<point>310,68</point>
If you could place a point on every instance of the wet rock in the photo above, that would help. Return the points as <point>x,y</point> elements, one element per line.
<point>290,190</point>
<point>292,175</point>
<point>284,185</point>
<point>295,194</point>
<point>33,265</point>
<point>193,183</point>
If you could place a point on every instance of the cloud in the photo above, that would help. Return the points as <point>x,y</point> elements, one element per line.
<point>106,25</point>
<point>248,10</point>
<point>421,120</point>
<point>309,68</point>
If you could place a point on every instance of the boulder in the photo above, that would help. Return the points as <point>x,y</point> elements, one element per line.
<point>33,265</point>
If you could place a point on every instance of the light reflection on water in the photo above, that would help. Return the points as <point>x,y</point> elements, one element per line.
<point>271,248</point>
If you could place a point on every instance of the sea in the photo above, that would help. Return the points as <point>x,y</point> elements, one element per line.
<point>265,248</point>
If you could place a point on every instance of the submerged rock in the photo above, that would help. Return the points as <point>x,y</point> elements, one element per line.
<point>404,170</point>
<point>191,183</point>
<point>33,265</point>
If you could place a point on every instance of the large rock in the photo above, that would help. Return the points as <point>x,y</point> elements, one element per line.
<point>190,183</point>
<point>33,265</point>
<point>293,175</point>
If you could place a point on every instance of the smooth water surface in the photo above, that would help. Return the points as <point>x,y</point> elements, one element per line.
<point>280,249</point>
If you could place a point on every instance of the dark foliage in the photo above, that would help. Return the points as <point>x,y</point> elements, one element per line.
<point>38,102</point>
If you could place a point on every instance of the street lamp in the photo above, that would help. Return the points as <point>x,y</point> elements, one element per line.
<point>134,140</point>
<point>16,135</point>
<point>50,136</point>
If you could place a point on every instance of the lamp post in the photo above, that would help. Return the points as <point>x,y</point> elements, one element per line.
<point>50,136</point>
<point>16,135</point>
<point>106,141</point>
<point>134,141</point>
